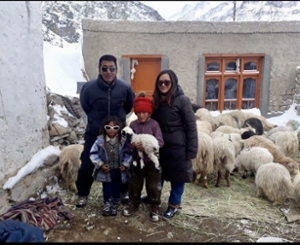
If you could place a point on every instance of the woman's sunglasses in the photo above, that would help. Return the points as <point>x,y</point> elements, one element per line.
<point>165,82</point>
<point>111,69</point>
<point>108,127</point>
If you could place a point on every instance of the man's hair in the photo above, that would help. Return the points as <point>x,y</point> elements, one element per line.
<point>108,57</point>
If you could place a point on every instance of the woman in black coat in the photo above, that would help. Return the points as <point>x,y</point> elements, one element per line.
<point>174,113</point>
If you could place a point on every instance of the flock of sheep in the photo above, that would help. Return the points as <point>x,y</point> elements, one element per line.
<point>235,141</point>
<point>245,142</point>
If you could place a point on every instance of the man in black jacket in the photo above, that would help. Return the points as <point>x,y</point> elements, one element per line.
<point>104,96</point>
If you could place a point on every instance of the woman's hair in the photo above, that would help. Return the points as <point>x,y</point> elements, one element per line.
<point>157,95</point>
<point>108,119</point>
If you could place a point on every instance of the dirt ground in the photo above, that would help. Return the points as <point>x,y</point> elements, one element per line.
<point>221,214</point>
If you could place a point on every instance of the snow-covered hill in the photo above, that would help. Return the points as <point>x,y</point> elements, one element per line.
<point>244,11</point>
<point>62,19</point>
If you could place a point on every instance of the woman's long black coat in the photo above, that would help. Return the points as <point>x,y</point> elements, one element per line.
<point>178,125</point>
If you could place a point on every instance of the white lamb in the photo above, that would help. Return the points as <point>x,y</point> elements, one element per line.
<point>274,181</point>
<point>149,142</point>
<point>204,127</point>
<point>204,114</point>
<point>203,163</point>
<point>250,159</point>
<point>224,155</point>
<point>234,138</point>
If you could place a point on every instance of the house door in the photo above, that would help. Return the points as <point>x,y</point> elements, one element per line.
<point>144,76</point>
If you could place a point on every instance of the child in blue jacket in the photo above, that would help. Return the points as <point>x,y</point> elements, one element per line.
<point>112,157</point>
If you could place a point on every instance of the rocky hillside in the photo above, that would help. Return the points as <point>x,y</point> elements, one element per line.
<point>244,11</point>
<point>62,19</point>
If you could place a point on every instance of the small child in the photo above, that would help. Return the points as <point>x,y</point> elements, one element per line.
<point>111,156</point>
<point>143,108</point>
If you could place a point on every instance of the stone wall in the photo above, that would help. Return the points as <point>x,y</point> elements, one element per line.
<point>297,90</point>
<point>68,110</point>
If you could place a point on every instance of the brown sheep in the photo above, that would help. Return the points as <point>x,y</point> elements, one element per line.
<point>287,141</point>
<point>69,163</point>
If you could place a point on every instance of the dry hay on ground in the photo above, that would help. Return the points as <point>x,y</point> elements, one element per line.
<point>210,215</point>
<point>237,202</point>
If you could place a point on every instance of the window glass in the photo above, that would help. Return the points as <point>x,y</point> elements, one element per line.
<point>213,66</point>
<point>212,89</point>
<point>231,81</point>
<point>230,88</point>
<point>231,66</point>
<point>211,106</point>
<point>249,85</point>
<point>250,66</point>
<point>230,93</point>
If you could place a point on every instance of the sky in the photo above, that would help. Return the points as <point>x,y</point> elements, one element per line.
<point>62,70</point>
<point>167,9</point>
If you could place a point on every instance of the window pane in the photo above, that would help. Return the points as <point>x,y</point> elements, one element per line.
<point>211,106</point>
<point>250,66</point>
<point>212,92</point>
<point>230,94</point>
<point>212,86</point>
<point>213,67</point>
<point>248,93</point>
<point>231,66</point>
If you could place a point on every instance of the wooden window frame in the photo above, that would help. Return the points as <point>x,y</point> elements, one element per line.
<point>240,74</point>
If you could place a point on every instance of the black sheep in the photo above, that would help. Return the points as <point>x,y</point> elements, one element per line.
<point>254,123</point>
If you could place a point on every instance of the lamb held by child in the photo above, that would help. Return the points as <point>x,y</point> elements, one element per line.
<point>149,142</point>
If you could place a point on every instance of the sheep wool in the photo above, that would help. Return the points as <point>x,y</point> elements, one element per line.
<point>296,183</point>
<point>69,163</point>
<point>274,182</point>
<point>250,159</point>
<point>224,155</point>
<point>149,142</point>
<point>279,156</point>
<point>203,163</point>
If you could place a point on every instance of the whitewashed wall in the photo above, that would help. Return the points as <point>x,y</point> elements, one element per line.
<point>23,109</point>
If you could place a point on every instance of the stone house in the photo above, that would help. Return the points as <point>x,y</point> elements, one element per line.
<point>220,65</point>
